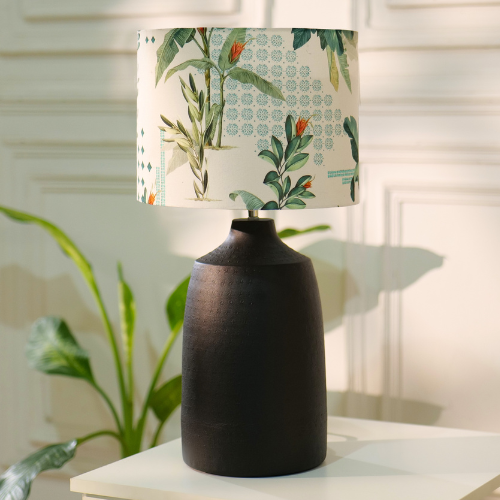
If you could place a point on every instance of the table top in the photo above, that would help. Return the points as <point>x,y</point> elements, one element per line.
<point>365,459</point>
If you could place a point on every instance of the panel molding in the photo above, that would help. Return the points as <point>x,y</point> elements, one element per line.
<point>444,154</point>
<point>34,408</point>
<point>54,10</point>
<point>108,32</point>
<point>384,27</point>
<point>50,107</point>
<point>395,198</point>
<point>421,4</point>
<point>430,106</point>
<point>82,150</point>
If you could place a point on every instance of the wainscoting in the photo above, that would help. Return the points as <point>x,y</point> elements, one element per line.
<point>410,278</point>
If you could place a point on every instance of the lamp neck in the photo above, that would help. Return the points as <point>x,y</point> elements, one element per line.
<point>250,242</point>
<point>253,214</point>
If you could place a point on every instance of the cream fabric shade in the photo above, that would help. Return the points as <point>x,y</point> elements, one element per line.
<point>247,118</point>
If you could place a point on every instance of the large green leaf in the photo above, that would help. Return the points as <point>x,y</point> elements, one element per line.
<point>251,201</point>
<point>245,76</point>
<point>203,63</point>
<point>167,398</point>
<point>277,148</point>
<point>67,246</point>
<point>236,35</point>
<point>271,205</point>
<point>211,117</point>
<point>322,39</point>
<point>307,194</point>
<point>300,37</point>
<point>296,191</point>
<point>334,41</point>
<point>15,482</point>
<point>169,49</point>
<point>295,203</point>
<point>212,114</point>
<point>348,34</point>
<point>298,161</point>
<point>52,349</point>
<point>351,129</point>
<point>355,178</point>
<point>305,140</point>
<point>290,231</point>
<point>269,157</point>
<point>127,315</point>
<point>292,147</point>
<point>271,177</point>
<point>332,68</point>
<point>277,189</point>
<point>286,185</point>
<point>303,180</point>
<point>176,305</point>
<point>344,69</point>
<point>290,128</point>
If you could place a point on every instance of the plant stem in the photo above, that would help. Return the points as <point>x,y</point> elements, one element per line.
<point>110,334</point>
<point>200,47</point>
<point>219,133</point>
<point>159,366</point>
<point>130,371</point>
<point>94,435</point>
<point>126,408</point>
<point>110,404</point>
<point>208,80</point>
<point>280,203</point>
<point>154,441</point>
<point>208,77</point>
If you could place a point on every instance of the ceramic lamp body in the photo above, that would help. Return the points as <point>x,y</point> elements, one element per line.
<point>253,366</point>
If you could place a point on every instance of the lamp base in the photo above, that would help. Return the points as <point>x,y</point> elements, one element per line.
<point>253,360</point>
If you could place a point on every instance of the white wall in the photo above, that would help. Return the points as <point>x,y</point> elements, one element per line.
<point>409,279</point>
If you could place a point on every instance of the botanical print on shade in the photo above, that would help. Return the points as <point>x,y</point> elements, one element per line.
<point>284,160</point>
<point>218,114</point>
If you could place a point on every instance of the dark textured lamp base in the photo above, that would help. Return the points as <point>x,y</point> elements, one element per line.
<point>253,361</point>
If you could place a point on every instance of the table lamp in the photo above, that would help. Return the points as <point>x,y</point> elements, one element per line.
<point>253,119</point>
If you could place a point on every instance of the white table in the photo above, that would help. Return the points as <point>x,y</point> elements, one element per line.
<point>366,460</point>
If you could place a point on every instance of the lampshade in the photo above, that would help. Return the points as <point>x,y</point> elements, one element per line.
<point>248,118</point>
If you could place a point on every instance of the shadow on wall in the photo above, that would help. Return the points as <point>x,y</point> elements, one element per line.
<point>31,297</point>
<point>340,289</point>
<point>60,297</point>
<point>355,404</point>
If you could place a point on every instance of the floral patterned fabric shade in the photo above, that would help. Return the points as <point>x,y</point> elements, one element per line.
<point>246,118</point>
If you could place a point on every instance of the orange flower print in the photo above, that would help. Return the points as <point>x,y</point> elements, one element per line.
<point>308,184</point>
<point>151,199</point>
<point>152,196</point>
<point>301,125</point>
<point>201,31</point>
<point>236,51</point>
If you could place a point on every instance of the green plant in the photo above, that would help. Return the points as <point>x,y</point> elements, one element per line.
<point>194,144</point>
<point>284,161</point>
<point>226,66</point>
<point>334,42</point>
<point>53,350</point>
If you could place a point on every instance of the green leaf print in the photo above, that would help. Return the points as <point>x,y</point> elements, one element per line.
<point>170,48</point>
<point>245,76</point>
<point>292,159</point>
